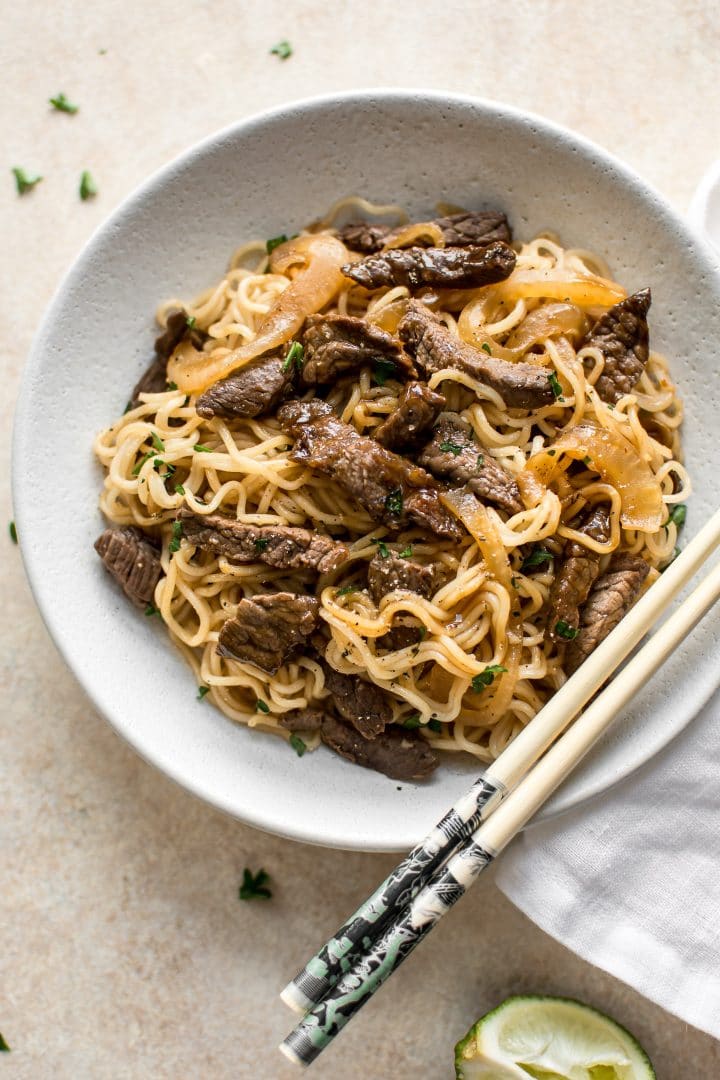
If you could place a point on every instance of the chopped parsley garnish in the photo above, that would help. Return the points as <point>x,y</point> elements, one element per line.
<point>480,460</point>
<point>678,515</point>
<point>298,745</point>
<point>414,721</point>
<point>347,589</point>
<point>383,549</point>
<point>61,103</point>
<point>383,369</point>
<point>537,557</point>
<point>486,677</point>
<point>587,460</point>
<point>406,553</point>
<point>157,441</point>
<point>435,726</point>
<point>13,532</point>
<point>203,449</point>
<point>202,691</point>
<point>176,536</point>
<point>172,386</point>
<point>514,582</point>
<point>4,1048</point>
<point>394,502</point>
<point>151,610</point>
<point>449,447</point>
<point>262,706</point>
<point>141,462</point>
<point>88,187</point>
<point>295,353</point>
<point>551,453</point>
<point>422,631</point>
<point>190,322</point>
<point>261,543</point>
<point>555,386</point>
<point>179,489</point>
<point>254,886</point>
<point>283,50</point>
<point>487,348</point>
<point>565,630</point>
<point>276,241</point>
<point>128,407</point>
<point>23,181</point>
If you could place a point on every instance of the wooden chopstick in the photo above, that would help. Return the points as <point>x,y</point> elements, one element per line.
<point>328,1017</point>
<point>321,973</point>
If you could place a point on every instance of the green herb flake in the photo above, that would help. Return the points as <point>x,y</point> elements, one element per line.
<point>422,631</point>
<point>4,1048</point>
<point>202,691</point>
<point>128,407</point>
<point>261,543</point>
<point>276,241</point>
<point>480,460</point>
<point>157,441</point>
<point>555,386</point>
<point>294,354</point>
<point>486,677</point>
<point>383,549</point>
<point>514,582</point>
<point>346,589</point>
<point>254,886</point>
<point>537,557</point>
<point>435,726</point>
<point>383,369</point>
<point>179,489</point>
<point>394,503</point>
<point>565,630</point>
<point>141,462</point>
<point>262,706</point>
<point>449,447</point>
<point>678,514</point>
<point>412,722</point>
<point>298,745</point>
<point>190,322</point>
<point>24,182</point>
<point>407,552</point>
<point>176,536</point>
<point>487,348</point>
<point>283,50</point>
<point>172,386</point>
<point>88,187</point>
<point>587,460</point>
<point>151,610</point>
<point>202,449</point>
<point>61,103</point>
<point>13,532</point>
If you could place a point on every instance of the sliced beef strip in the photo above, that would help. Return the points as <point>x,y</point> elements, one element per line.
<point>452,267</point>
<point>307,719</point>
<point>520,385</point>
<point>281,546</point>
<point>468,227</point>
<point>154,380</point>
<point>402,755</point>
<point>253,391</point>
<point>577,573</point>
<point>388,573</point>
<point>408,424</point>
<point>390,488</point>
<point>337,344</point>
<point>611,597</point>
<point>361,703</point>
<point>399,637</point>
<point>453,455</point>
<point>132,559</point>
<point>621,335</point>
<point>266,629</point>
<point>364,236</point>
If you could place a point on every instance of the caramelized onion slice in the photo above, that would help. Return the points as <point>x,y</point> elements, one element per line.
<point>315,285</point>
<point>612,456</point>
<point>584,290</point>
<point>410,234</point>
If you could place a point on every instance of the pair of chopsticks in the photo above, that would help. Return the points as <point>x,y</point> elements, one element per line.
<point>364,952</point>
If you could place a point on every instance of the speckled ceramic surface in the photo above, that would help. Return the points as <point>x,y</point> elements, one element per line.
<point>172,237</point>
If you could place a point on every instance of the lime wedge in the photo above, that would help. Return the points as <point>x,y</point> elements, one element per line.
<point>546,1038</point>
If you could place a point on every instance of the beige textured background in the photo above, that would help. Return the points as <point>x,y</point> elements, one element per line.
<point>124,951</point>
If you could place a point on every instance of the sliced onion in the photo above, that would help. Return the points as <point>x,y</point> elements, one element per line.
<point>410,234</point>
<point>585,290</point>
<point>314,286</point>
<point>614,458</point>
<point>476,519</point>
<point>544,322</point>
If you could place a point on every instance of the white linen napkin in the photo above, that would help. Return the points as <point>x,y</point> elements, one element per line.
<point>631,880</point>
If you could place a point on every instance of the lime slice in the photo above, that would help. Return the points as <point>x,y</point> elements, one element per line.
<point>546,1038</point>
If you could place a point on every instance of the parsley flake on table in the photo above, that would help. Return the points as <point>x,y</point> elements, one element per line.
<point>88,187</point>
<point>565,630</point>
<point>283,50</point>
<point>383,369</point>
<point>254,886</point>
<point>24,182</point>
<point>13,532</point>
<point>298,745</point>
<point>4,1048</point>
<point>61,104</point>
<point>202,691</point>
<point>486,677</point>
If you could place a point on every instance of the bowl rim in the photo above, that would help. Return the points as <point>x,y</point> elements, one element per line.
<point>261,816</point>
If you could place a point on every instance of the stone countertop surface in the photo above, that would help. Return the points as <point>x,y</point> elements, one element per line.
<point>124,950</point>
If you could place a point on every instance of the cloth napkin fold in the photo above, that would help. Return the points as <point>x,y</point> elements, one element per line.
<point>631,880</point>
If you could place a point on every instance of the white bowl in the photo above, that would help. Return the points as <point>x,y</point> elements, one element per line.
<point>173,236</point>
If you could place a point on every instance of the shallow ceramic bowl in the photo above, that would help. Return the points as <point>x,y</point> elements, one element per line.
<point>172,237</point>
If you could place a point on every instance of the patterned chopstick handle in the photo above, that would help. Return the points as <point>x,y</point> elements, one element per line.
<point>316,1030</point>
<point>393,895</point>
